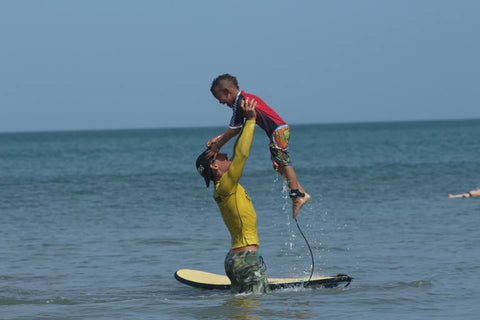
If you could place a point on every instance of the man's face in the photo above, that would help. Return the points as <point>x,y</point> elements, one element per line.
<point>221,162</point>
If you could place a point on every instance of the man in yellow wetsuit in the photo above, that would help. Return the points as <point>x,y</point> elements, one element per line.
<point>243,264</point>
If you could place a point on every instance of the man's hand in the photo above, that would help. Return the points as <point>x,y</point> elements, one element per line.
<point>248,107</point>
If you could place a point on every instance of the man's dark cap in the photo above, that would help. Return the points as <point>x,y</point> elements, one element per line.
<point>203,167</point>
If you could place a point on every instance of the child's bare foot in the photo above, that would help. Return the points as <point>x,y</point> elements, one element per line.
<point>298,202</point>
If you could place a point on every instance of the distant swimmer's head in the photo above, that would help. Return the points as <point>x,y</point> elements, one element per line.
<point>225,89</point>
<point>203,167</point>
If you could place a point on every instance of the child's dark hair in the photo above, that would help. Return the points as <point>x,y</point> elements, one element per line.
<point>224,78</point>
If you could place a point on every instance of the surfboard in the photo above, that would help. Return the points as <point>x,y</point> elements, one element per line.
<point>207,280</point>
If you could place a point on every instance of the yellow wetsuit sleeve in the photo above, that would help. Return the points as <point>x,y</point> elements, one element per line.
<point>233,201</point>
<point>240,155</point>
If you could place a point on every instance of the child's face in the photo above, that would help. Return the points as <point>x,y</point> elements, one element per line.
<point>224,96</point>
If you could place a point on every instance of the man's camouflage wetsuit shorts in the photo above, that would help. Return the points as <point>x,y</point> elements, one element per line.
<point>246,272</point>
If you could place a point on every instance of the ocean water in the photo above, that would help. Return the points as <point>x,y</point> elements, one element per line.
<point>95,223</point>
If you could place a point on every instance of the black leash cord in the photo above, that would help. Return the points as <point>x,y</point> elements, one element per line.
<point>310,249</point>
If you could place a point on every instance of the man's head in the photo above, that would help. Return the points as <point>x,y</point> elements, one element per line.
<point>212,168</point>
<point>225,88</point>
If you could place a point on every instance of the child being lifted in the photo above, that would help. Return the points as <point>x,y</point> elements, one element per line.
<point>226,90</point>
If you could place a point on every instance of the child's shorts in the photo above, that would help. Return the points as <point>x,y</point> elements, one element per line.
<point>279,147</point>
<point>246,272</point>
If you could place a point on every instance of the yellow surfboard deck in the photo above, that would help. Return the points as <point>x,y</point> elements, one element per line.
<point>208,280</point>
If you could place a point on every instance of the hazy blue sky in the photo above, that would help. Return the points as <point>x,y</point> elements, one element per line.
<point>149,64</point>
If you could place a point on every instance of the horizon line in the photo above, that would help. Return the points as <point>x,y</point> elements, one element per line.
<point>215,126</point>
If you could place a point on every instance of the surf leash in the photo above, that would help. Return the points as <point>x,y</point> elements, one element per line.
<point>310,249</point>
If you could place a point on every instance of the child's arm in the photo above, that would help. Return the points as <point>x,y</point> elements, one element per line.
<point>241,150</point>
<point>219,141</point>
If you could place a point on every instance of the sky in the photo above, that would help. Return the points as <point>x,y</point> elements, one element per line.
<point>114,64</point>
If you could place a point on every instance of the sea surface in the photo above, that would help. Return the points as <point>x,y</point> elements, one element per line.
<point>94,224</point>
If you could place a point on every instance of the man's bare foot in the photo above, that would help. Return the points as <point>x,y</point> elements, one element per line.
<point>298,202</point>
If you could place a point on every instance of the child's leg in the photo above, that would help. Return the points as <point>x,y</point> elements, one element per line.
<point>298,195</point>
<point>281,162</point>
<point>290,177</point>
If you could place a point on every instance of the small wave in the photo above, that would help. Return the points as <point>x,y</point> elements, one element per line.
<point>8,301</point>
<point>411,284</point>
<point>421,284</point>
<point>161,241</point>
<point>334,249</point>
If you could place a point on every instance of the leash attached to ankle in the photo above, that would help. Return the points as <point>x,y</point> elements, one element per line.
<point>295,193</point>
